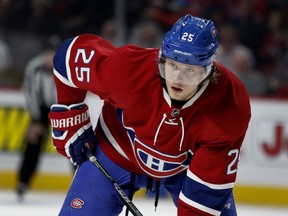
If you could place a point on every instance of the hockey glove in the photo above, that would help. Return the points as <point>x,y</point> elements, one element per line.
<point>71,131</point>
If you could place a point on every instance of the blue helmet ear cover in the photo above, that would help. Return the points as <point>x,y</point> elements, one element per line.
<point>191,40</point>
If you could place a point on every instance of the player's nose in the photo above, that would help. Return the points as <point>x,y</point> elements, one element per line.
<point>178,76</point>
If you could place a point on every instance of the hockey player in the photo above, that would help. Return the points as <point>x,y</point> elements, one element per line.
<point>171,116</point>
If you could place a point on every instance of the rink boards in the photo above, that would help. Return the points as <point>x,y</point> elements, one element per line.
<point>262,175</point>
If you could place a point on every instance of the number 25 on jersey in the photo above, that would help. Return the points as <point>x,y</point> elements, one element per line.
<point>83,72</point>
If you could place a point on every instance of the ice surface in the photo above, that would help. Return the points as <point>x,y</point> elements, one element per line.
<point>48,204</point>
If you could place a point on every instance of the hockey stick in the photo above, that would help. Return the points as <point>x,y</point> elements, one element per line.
<point>127,202</point>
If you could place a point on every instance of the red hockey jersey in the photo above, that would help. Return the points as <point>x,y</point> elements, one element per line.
<point>141,130</point>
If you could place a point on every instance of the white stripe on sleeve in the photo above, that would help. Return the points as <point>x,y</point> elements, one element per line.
<point>212,186</point>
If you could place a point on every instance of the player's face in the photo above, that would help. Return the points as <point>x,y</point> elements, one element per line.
<point>184,74</point>
<point>181,79</point>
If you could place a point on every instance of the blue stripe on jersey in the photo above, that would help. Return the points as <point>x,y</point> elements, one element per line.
<point>59,60</point>
<point>131,133</point>
<point>199,193</point>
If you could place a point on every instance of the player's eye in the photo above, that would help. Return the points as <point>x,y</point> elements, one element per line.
<point>172,65</point>
<point>195,70</point>
<point>189,70</point>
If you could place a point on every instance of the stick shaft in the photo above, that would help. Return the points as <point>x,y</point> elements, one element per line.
<point>127,202</point>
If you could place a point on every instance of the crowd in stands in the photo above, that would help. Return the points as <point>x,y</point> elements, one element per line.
<point>253,33</point>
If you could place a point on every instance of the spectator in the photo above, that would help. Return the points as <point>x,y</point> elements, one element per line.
<point>5,56</point>
<point>249,24</point>
<point>5,63</point>
<point>109,32</point>
<point>229,43</point>
<point>281,69</point>
<point>242,65</point>
<point>146,34</point>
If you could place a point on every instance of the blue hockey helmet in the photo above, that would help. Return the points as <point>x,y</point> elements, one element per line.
<point>191,40</point>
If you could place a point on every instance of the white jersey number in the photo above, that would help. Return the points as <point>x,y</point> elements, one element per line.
<point>232,153</point>
<point>187,37</point>
<point>83,73</point>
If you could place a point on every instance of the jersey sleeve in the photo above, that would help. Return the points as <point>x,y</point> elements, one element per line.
<point>210,178</point>
<point>78,65</point>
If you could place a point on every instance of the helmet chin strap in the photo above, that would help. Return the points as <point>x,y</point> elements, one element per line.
<point>208,70</point>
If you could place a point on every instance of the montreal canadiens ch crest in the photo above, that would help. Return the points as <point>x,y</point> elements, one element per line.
<point>157,164</point>
<point>77,203</point>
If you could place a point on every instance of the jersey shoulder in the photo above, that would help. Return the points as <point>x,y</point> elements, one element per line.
<point>228,103</point>
<point>135,67</point>
<point>78,52</point>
